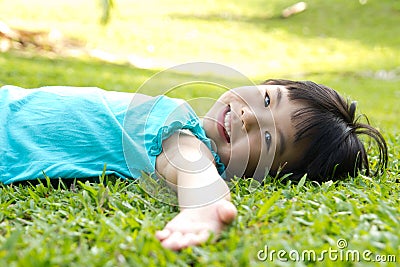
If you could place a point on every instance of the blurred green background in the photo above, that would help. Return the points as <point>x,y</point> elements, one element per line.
<point>350,45</point>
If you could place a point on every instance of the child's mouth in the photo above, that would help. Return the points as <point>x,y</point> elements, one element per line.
<point>224,125</point>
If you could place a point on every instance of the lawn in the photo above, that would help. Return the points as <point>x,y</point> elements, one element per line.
<point>351,46</point>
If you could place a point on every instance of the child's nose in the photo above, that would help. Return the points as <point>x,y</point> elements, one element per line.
<point>248,118</point>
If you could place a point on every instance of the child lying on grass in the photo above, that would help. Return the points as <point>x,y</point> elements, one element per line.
<point>279,127</point>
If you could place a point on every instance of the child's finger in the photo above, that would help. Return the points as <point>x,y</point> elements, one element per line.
<point>227,212</point>
<point>195,239</point>
<point>173,241</point>
<point>203,236</point>
<point>162,234</point>
<point>188,228</point>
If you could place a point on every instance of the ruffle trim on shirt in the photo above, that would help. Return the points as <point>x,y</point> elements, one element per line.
<point>195,128</point>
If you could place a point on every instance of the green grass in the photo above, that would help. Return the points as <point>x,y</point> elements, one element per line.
<point>342,44</point>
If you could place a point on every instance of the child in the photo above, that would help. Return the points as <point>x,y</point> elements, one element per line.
<point>280,126</point>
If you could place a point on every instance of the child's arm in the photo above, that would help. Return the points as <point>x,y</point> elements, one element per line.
<point>203,196</point>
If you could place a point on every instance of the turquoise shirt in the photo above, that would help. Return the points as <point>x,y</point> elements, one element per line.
<point>72,132</point>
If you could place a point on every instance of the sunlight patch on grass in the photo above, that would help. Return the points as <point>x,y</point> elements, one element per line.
<point>250,37</point>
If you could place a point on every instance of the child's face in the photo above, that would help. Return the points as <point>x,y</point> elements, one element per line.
<point>252,130</point>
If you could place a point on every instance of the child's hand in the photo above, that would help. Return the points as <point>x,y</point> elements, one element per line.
<point>193,226</point>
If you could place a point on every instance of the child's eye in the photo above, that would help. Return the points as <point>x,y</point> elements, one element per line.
<point>266,100</point>
<point>268,138</point>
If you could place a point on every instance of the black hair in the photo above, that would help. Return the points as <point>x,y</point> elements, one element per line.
<point>328,124</point>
